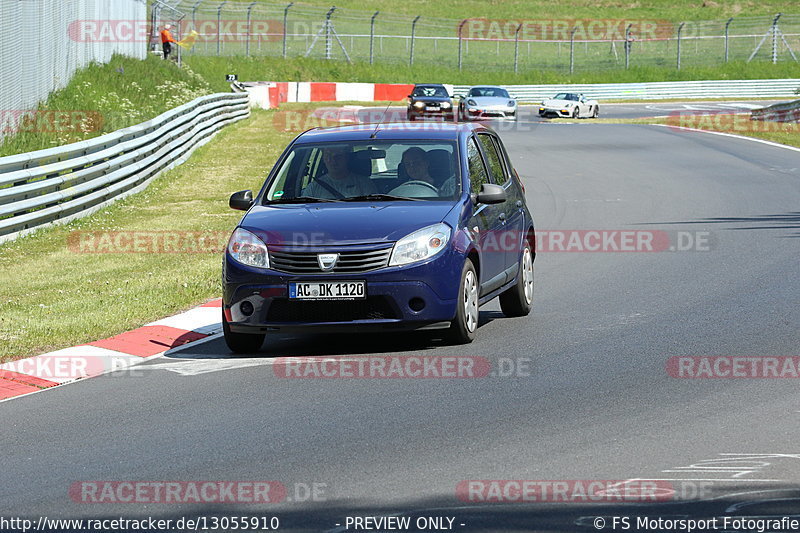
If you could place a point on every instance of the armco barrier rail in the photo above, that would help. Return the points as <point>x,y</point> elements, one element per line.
<point>658,90</point>
<point>786,112</point>
<point>62,183</point>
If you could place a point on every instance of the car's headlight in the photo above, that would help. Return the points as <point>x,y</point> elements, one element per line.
<point>471,102</point>
<point>419,104</point>
<point>246,248</point>
<point>446,105</point>
<point>420,245</point>
<point>512,103</point>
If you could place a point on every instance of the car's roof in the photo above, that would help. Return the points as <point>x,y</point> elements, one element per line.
<point>486,87</point>
<point>390,131</point>
<point>428,85</point>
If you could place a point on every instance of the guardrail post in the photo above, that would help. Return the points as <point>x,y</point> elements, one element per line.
<point>727,25</point>
<point>372,35</point>
<point>516,47</point>
<point>572,50</point>
<point>219,25</point>
<point>249,27</point>
<point>628,46</point>
<point>460,27</point>
<point>285,16</point>
<point>680,29</point>
<point>775,31</point>
<point>413,31</point>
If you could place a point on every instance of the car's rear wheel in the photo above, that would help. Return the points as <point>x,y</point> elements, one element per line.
<point>518,300</point>
<point>241,342</point>
<point>465,325</point>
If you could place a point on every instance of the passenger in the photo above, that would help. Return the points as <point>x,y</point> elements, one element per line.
<point>417,166</point>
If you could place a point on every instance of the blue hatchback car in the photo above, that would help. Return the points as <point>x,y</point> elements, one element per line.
<point>399,226</point>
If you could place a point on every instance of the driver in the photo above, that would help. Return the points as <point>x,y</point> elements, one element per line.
<point>339,181</point>
<point>415,161</point>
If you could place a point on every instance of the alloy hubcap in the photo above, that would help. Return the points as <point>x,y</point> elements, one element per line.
<point>527,275</point>
<point>470,301</point>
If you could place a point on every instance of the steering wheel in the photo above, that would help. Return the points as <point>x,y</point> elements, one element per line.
<point>420,182</point>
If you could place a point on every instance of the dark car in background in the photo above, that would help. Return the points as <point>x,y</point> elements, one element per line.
<point>430,100</point>
<point>390,228</point>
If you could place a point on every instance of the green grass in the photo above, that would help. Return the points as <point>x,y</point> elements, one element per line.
<point>53,296</point>
<point>304,69</point>
<point>102,98</point>
<point>676,10</point>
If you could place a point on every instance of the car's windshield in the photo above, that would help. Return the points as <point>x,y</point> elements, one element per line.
<point>375,170</point>
<point>430,91</point>
<point>489,91</point>
<point>566,96</point>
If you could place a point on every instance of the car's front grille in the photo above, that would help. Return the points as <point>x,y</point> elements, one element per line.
<point>349,261</point>
<point>371,308</point>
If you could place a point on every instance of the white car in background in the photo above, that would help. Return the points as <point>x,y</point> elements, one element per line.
<point>487,102</point>
<point>573,105</point>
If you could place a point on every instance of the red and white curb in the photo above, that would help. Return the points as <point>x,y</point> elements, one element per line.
<point>26,376</point>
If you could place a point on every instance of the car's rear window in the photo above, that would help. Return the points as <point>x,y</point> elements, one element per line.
<point>421,170</point>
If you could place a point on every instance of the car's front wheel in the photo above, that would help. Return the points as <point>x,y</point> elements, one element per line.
<point>464,326</point>
<point>518,300</point>
<point>576,113</point>
<point>241,342</point>
<point>596,111</point>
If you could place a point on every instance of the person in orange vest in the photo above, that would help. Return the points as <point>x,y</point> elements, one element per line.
<point>167,40</point>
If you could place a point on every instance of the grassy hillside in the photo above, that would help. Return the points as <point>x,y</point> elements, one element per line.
<point>102,98</point>
<point>676,10</point>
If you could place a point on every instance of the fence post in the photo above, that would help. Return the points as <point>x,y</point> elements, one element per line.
<point>194,21</point>
<point>413,30</point>
<point>372,35</point>
<point>572,50</point>
<point>285,16</point>
<point>249,30</point>
<point>460,26</point>
<point>328,42</point>
<point>180,36</point>
<point>680,29</point>
<point>628,46</point>
<point>219,24</point>
<point>516,47</point>
<point>727,25</point>
<point>775,31</point>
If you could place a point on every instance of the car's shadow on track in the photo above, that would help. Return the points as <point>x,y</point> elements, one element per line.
<point>779,221</point>
<point>350,343</point>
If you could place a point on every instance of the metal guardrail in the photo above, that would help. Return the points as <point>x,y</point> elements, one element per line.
<point>60,184</point>
<point>785,112</point>
<point>658,90</point>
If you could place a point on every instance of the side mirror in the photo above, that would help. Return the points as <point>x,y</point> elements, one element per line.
<point>241,200</point>
<point>491,194</point>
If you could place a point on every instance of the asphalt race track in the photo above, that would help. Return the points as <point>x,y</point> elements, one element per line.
<point>589,396</point>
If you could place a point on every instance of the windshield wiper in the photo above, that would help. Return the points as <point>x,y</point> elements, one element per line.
<point>377,196</point>
<point>301,200</point>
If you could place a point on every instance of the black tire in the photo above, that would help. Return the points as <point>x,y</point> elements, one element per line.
<point>241,342</point>
<point>411,118</point>
<point>465,324</point>
<point>596,111</point>
<point>576,113</point>
<point>518,300</point>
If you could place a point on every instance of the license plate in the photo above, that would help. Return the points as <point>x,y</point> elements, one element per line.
<point>432,104</point>
<point>328,290</point>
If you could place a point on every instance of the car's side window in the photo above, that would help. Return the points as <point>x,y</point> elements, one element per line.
<point>477,171</point>
<point>493,159</point>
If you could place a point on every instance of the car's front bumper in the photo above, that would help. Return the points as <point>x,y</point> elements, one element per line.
<point>430,111</point>
<point>393,294</point>
<point>550,111</point>
<point>482,113</point>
